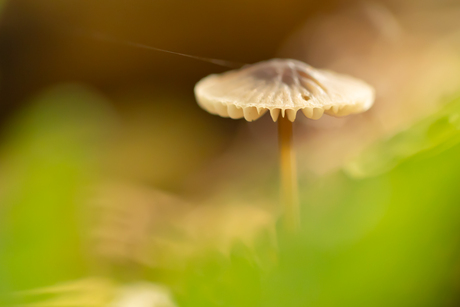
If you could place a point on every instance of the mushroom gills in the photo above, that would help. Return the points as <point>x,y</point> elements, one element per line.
<point>252,113</point>
<point>235,112</point>
<point>313,113</point>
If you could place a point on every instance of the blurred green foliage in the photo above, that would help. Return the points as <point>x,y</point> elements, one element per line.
<point>436,133</point>
<point>47,162</point>
<point>389,238</point>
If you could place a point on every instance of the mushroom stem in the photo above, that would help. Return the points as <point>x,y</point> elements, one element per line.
<point>289,187</point>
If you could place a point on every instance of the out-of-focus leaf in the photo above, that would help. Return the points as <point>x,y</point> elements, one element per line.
<point>390,239</point>
<point>47,161</point>
<point>407,256</point>
<point>440,130</point>
<point>217,280</point>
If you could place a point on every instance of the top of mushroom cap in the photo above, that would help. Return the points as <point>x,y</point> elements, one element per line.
<point>282,86</point>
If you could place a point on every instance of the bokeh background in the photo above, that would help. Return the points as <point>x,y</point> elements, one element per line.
<point>116,189</point>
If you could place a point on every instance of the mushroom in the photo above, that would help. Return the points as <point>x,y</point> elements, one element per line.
<point>283,87</point>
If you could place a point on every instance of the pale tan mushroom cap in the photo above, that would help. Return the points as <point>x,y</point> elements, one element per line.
<point>282,86</point>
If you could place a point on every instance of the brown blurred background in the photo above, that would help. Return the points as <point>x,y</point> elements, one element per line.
<point>45,41</point>
<point>41,42</point>
<point>408,50</point>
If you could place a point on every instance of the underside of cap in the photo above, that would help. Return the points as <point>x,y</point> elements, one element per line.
<point>282,87</point>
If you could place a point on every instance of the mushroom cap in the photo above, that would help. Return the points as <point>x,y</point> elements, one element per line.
<point>282,86</point>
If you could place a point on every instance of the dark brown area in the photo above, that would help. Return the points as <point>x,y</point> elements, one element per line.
<point>47,42</point>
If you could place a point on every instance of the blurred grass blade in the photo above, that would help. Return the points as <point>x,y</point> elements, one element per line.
<point>440,130</point>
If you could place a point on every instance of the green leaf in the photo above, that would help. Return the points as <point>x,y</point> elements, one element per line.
<point>47,162</point>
